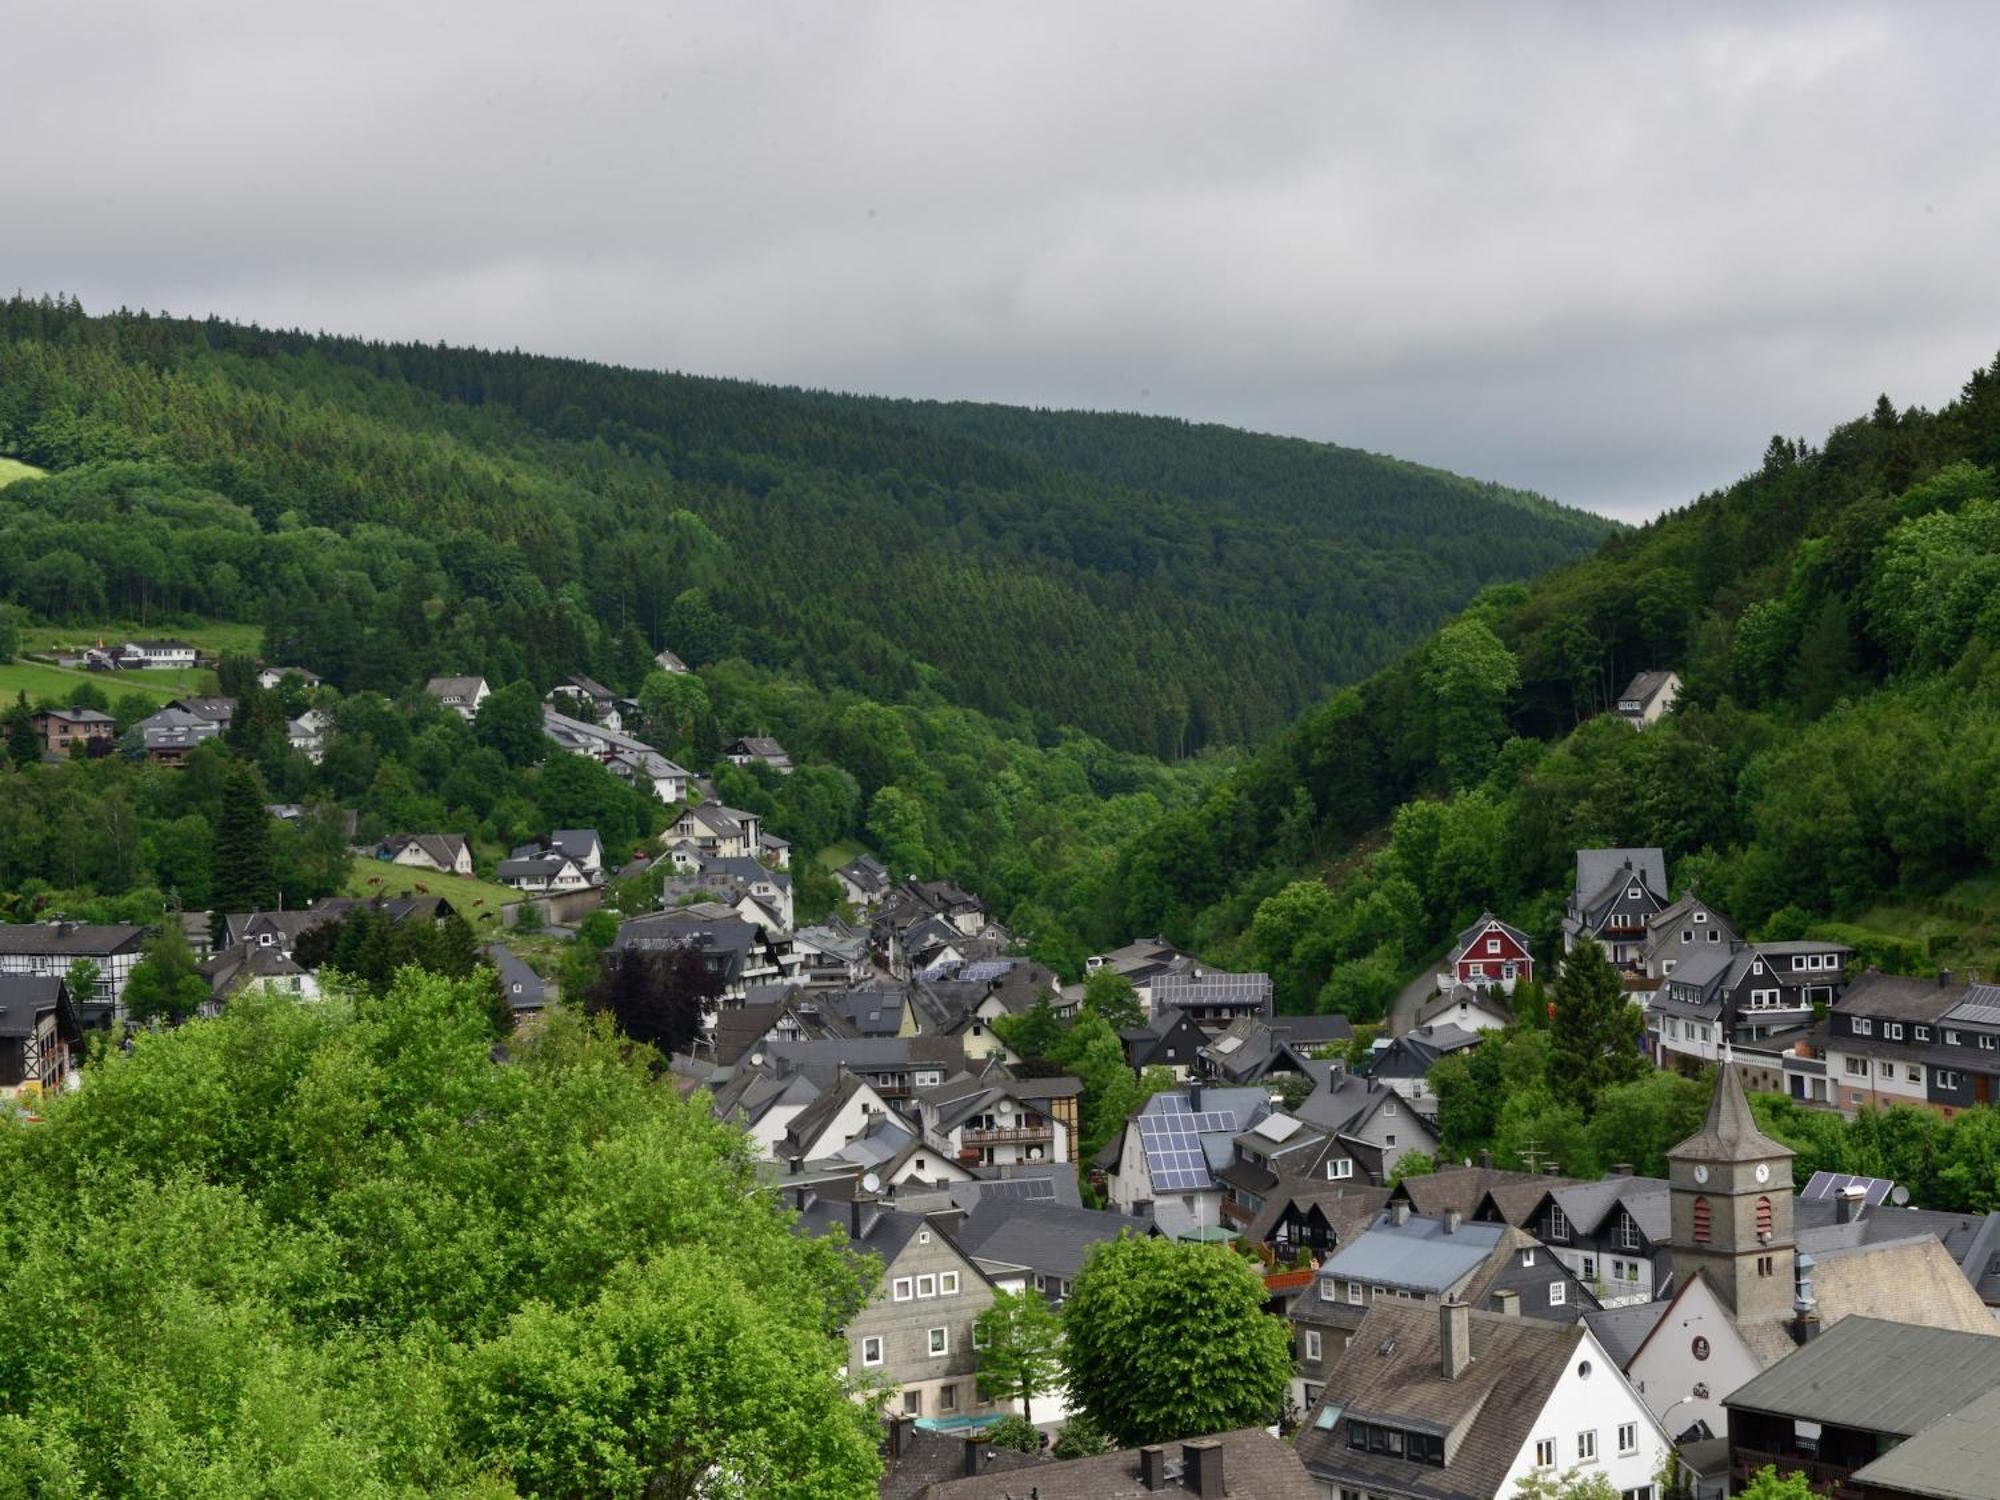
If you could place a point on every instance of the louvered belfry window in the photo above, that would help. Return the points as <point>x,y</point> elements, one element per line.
<point>1701,1221</point>
<point>1763,1218</point>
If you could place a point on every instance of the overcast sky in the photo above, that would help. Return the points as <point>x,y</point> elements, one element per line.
<point>1603,252</point>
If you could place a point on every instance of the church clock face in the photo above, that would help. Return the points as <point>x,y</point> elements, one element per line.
<point>1701,1174</point>
<point>1763,1171</point>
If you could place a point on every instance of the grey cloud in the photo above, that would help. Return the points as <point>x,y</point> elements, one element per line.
<point>1604,252</point>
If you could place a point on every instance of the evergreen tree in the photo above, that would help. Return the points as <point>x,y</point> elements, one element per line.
<point>242,878</point>
<point>656,998</point>
<point>24,746</point>
<point>1595,1036</point>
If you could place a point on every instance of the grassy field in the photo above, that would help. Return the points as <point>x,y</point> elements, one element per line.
<point>1959,930</point>
<point>478,901</point>
<point>12,469</point>
<point>833,856</point>
<point>210,637</point>
<point>60,683</point>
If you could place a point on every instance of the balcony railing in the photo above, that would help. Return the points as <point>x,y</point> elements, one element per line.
<point>1828,1479</point>
<point>1007,1135</point>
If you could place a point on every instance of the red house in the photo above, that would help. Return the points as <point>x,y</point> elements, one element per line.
<point>1487,953</point>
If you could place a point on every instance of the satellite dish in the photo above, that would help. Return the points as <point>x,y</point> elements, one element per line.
<point>1034,1153</point>
<point>1899,1195</point>
<point>871,1182</point>
<point>756,1059</point>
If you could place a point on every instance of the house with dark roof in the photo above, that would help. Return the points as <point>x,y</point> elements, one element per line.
<point>758,750</point>
<point>1614,1235</point>
<point>154,655</point>
<point>740,953</point>
<point>47,949</point>
<point>1213,1000</point>
<point>446,853</point>
<point>525,991</point>
<point>39,1030</point>
<point>1489,954</point>
<point>1679,931</point>
<point>715,830</point>
<point>1371,1125</point>
<point>1615,892</point>
<point>1169,1039</point>
<point>1039,1245</point>
<point>1957,1457</point>
<point>1440,1401</point>
<point>234,968</point>
<point>1314,1215</point>
<point>581,697</point>
<point>1929,1042</point>
<point>913,1337</point>
<point>1647,696</point>
<point>1161,1163</point>
<point>169,736</point>
<point>1466,1008</point>
<point>1001,1122</point>
<point>863,881</point>
<point>1404,1063</point>
<point>1741,994</point>
<point>1250,1050</point>
<point>1837,1404</point>
<point>1245,1465</point>
<point>914,1458</point>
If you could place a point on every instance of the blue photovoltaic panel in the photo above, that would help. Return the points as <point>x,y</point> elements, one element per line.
<point>1826,1185</point>
<point>985,969</point>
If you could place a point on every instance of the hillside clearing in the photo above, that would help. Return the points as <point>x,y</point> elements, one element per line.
<point>39,680</point>
<point>478,901</point>
<point>210,637</point>
<point>12,469</point>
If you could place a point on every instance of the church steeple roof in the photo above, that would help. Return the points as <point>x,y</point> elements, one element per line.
<point>1730,1133</point>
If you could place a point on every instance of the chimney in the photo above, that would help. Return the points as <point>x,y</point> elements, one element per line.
<point>1507,1304</point>
<point>901,1430</point>
<point>1805,1312</point>
<point>1454,1337</point>
<point>1621,1169</point>
<point>1550,1169</point>
<point>1485,1160</point>
<point>1194,1098</point>
<point>1201,1468</point>
<point>1849,1203</point>
<point>1944,979</point>
<point>1452,1219</point>
<point>1153,1467</point>
<point>1399,1212</point>
<point>977,1451</point>
<point>859,1219</point>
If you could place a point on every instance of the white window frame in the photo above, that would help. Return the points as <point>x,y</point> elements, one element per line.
<point>1354,1294</point>
<point>1558,1293</point>
<point>1493,945</point>
<point>1559,1226</point>
<point>1329,1289</point>
<point>902,1289</point>
<point>1586,1446</point>
<point>880,1349</point>
<point>1312,1344</point>
<point>1863,1026</point>
<point>940,1342</point>
<point>1628,1439</point>
<point>1339,1167</point>
<point>1893,1030</point>
<point>1528,1256</point>
<point>1545,1453</point>
<point>1856,1067</point>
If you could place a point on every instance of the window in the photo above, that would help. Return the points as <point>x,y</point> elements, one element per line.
<point>948,1284</point>
<point>1312,1344</point>
<point>1586,1447</point>
<point>1643,1492</point>
<point>1944,1078</point>
<point>1701,1221</point>
<point>871,1351</point>
<point>1389,1139</point>
<point>1545,1453</point>
<point>1857,1067</point>
<point>1950,1038</point>
<point>1913,1074</point>
<point>913,1403</point>
<point>1588,1270</point>
<point>1528,1256</point>
<point>927,1286</point>
<point>1329,1290</point>
<point>1715,934</point>
<point>1764,1265</point>
<point>1699,1348</point>
<point>1763,1218</point>
<point>1763,999</point>
<point>1628,1438</point>
<point>1388,1110</point>
<point>948,1398</point>
<point>1893,1030</point>
<point>1558,1223</point>
<point>1493,945</point>
<point>940,1342</point>
<point>1687,935</point>
<point>1628,1231</point>
<point>1923,1033</point>
<point>1475,971</point>
<point>923,1236</point>
<point>978,1338</point>
<point>1558,1293</point>
<point>1985,1042</point>
<point>901,1289</point>
<point>1886,1069</point>
<point>1863,1026</point>
<point>1354,1293</point>
<point>1673,1028</point>
<point>1340,1167</point>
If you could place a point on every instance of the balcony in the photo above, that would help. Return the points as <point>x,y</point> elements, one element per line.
<point>1827,1479</point>
<point>1014,1135</point>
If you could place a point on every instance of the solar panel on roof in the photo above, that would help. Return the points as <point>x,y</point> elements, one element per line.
<point>985,969</point>
<point>1277,1127</point>
<point>1825,1186</point>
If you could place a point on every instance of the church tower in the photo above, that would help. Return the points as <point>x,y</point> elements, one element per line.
<point>1731,1188</point>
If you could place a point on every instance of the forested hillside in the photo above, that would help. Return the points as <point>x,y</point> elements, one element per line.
<point>394,509</point>
<point>1834,764</point>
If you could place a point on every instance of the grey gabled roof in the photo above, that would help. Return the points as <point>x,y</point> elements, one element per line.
<point>1644,687</point>
<point>1418,1255</point>
<point>24,999</point>
<point>1255,1465</point>
<point>1875,1375</point>
<point>1598,871</point>
<point>1957,1457</point>
<point>69,939</point>
<point>1048,1238</point>
<point>1621,1330</point>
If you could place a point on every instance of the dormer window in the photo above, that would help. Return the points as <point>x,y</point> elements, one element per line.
<point>1632,893</point>
<point>1493,945</point>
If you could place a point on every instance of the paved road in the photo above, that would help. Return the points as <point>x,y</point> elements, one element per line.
<point>1403,1009</point>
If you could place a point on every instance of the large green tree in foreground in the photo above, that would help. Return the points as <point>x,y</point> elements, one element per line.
<point>1165,1340</point>
<point>334,1249</point>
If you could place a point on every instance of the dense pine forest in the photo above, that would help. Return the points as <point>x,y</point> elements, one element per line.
<point>391,509</point>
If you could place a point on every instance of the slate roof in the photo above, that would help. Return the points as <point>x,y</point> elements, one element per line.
<point>443,848</point>
<point>1513,1195</point>
<point>1486,919</point>
<point>884,1231</point>
<point>1621,1330</point>
<point>866,873</point>
<point>1644,687</point>
<point>1897,997</point>
<point>1957,1457</point>
<point>1391,1372</point>
<point>1418,1254</point>
<point>70,939</point>
<point>1462,997</point>
<point>1589,1205</point>
<point>1876,1375</point>
<point>534,989</point>
<point>1911,1281</point>
<point>24,999</point>
<point>1050,1239</point>
<point>927,1457</point>
<point>1730,1133</point>
<point>1306,1032</point>
<point>1347,1206</point>
<point>1601,871</point>
<point>1255,1466</point>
